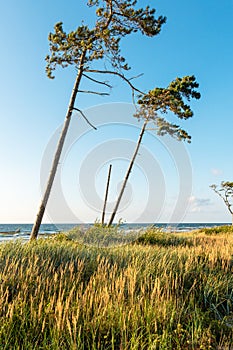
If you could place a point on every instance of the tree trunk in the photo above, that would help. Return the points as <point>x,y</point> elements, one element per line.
<point>127,175</point>
<point>57,155</point>
<point>106,193</point>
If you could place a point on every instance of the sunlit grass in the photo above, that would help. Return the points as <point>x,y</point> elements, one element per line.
<point>164,291</point>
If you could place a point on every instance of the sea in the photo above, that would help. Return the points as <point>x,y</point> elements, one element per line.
<point>22,231</point>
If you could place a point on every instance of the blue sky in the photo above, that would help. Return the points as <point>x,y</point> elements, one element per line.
<point>197,39</point>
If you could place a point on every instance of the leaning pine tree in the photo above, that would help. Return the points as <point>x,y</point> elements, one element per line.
<point>152,105</point>
<point>225,191</point>
<point>82,48</point>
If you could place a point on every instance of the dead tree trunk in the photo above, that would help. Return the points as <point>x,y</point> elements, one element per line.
<point>127,174</point>
<point>57,155</point>
<point>106,193</point>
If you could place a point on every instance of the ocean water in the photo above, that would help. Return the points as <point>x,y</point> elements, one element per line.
<point>7,231</point>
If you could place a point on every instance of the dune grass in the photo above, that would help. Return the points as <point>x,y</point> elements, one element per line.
<point>162,291</point>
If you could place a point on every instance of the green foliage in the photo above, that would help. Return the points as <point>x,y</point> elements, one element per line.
<point>102,236</point>
<point>170,99</point>
<point>115,20</point>
<point>158,237</point>
<point>125,18</point>
<point>218,230</point>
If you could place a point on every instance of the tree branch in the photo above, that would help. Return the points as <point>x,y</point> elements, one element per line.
<point>228,204</point>
<point>83,115</point>
<point>110,17</point>
<point>94,92</point>
<point>118,74</point>
<point>136,76</point>
<point>98,81</point>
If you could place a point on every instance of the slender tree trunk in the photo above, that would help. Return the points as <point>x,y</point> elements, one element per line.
<point>106,193</point>
<point>57,155</point>
<point>127,174</point>
<point>232,219</point>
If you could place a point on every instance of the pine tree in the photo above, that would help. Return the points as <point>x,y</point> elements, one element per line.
<point>83,47</point>
<point>225,191</point>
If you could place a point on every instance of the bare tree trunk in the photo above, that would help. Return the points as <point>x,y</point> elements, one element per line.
<point>57,155</point>
<point>106,193</point>
<point>127,175</point>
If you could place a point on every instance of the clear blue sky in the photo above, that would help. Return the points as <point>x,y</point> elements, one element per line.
<point>197,39</point>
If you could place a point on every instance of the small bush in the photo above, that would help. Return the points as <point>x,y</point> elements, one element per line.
<point>158,237</point>
<point>217,230</point>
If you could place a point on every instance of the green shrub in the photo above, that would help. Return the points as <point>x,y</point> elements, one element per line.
<point>227,229</point>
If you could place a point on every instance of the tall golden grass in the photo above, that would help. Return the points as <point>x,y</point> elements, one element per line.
<point>164,291</point>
